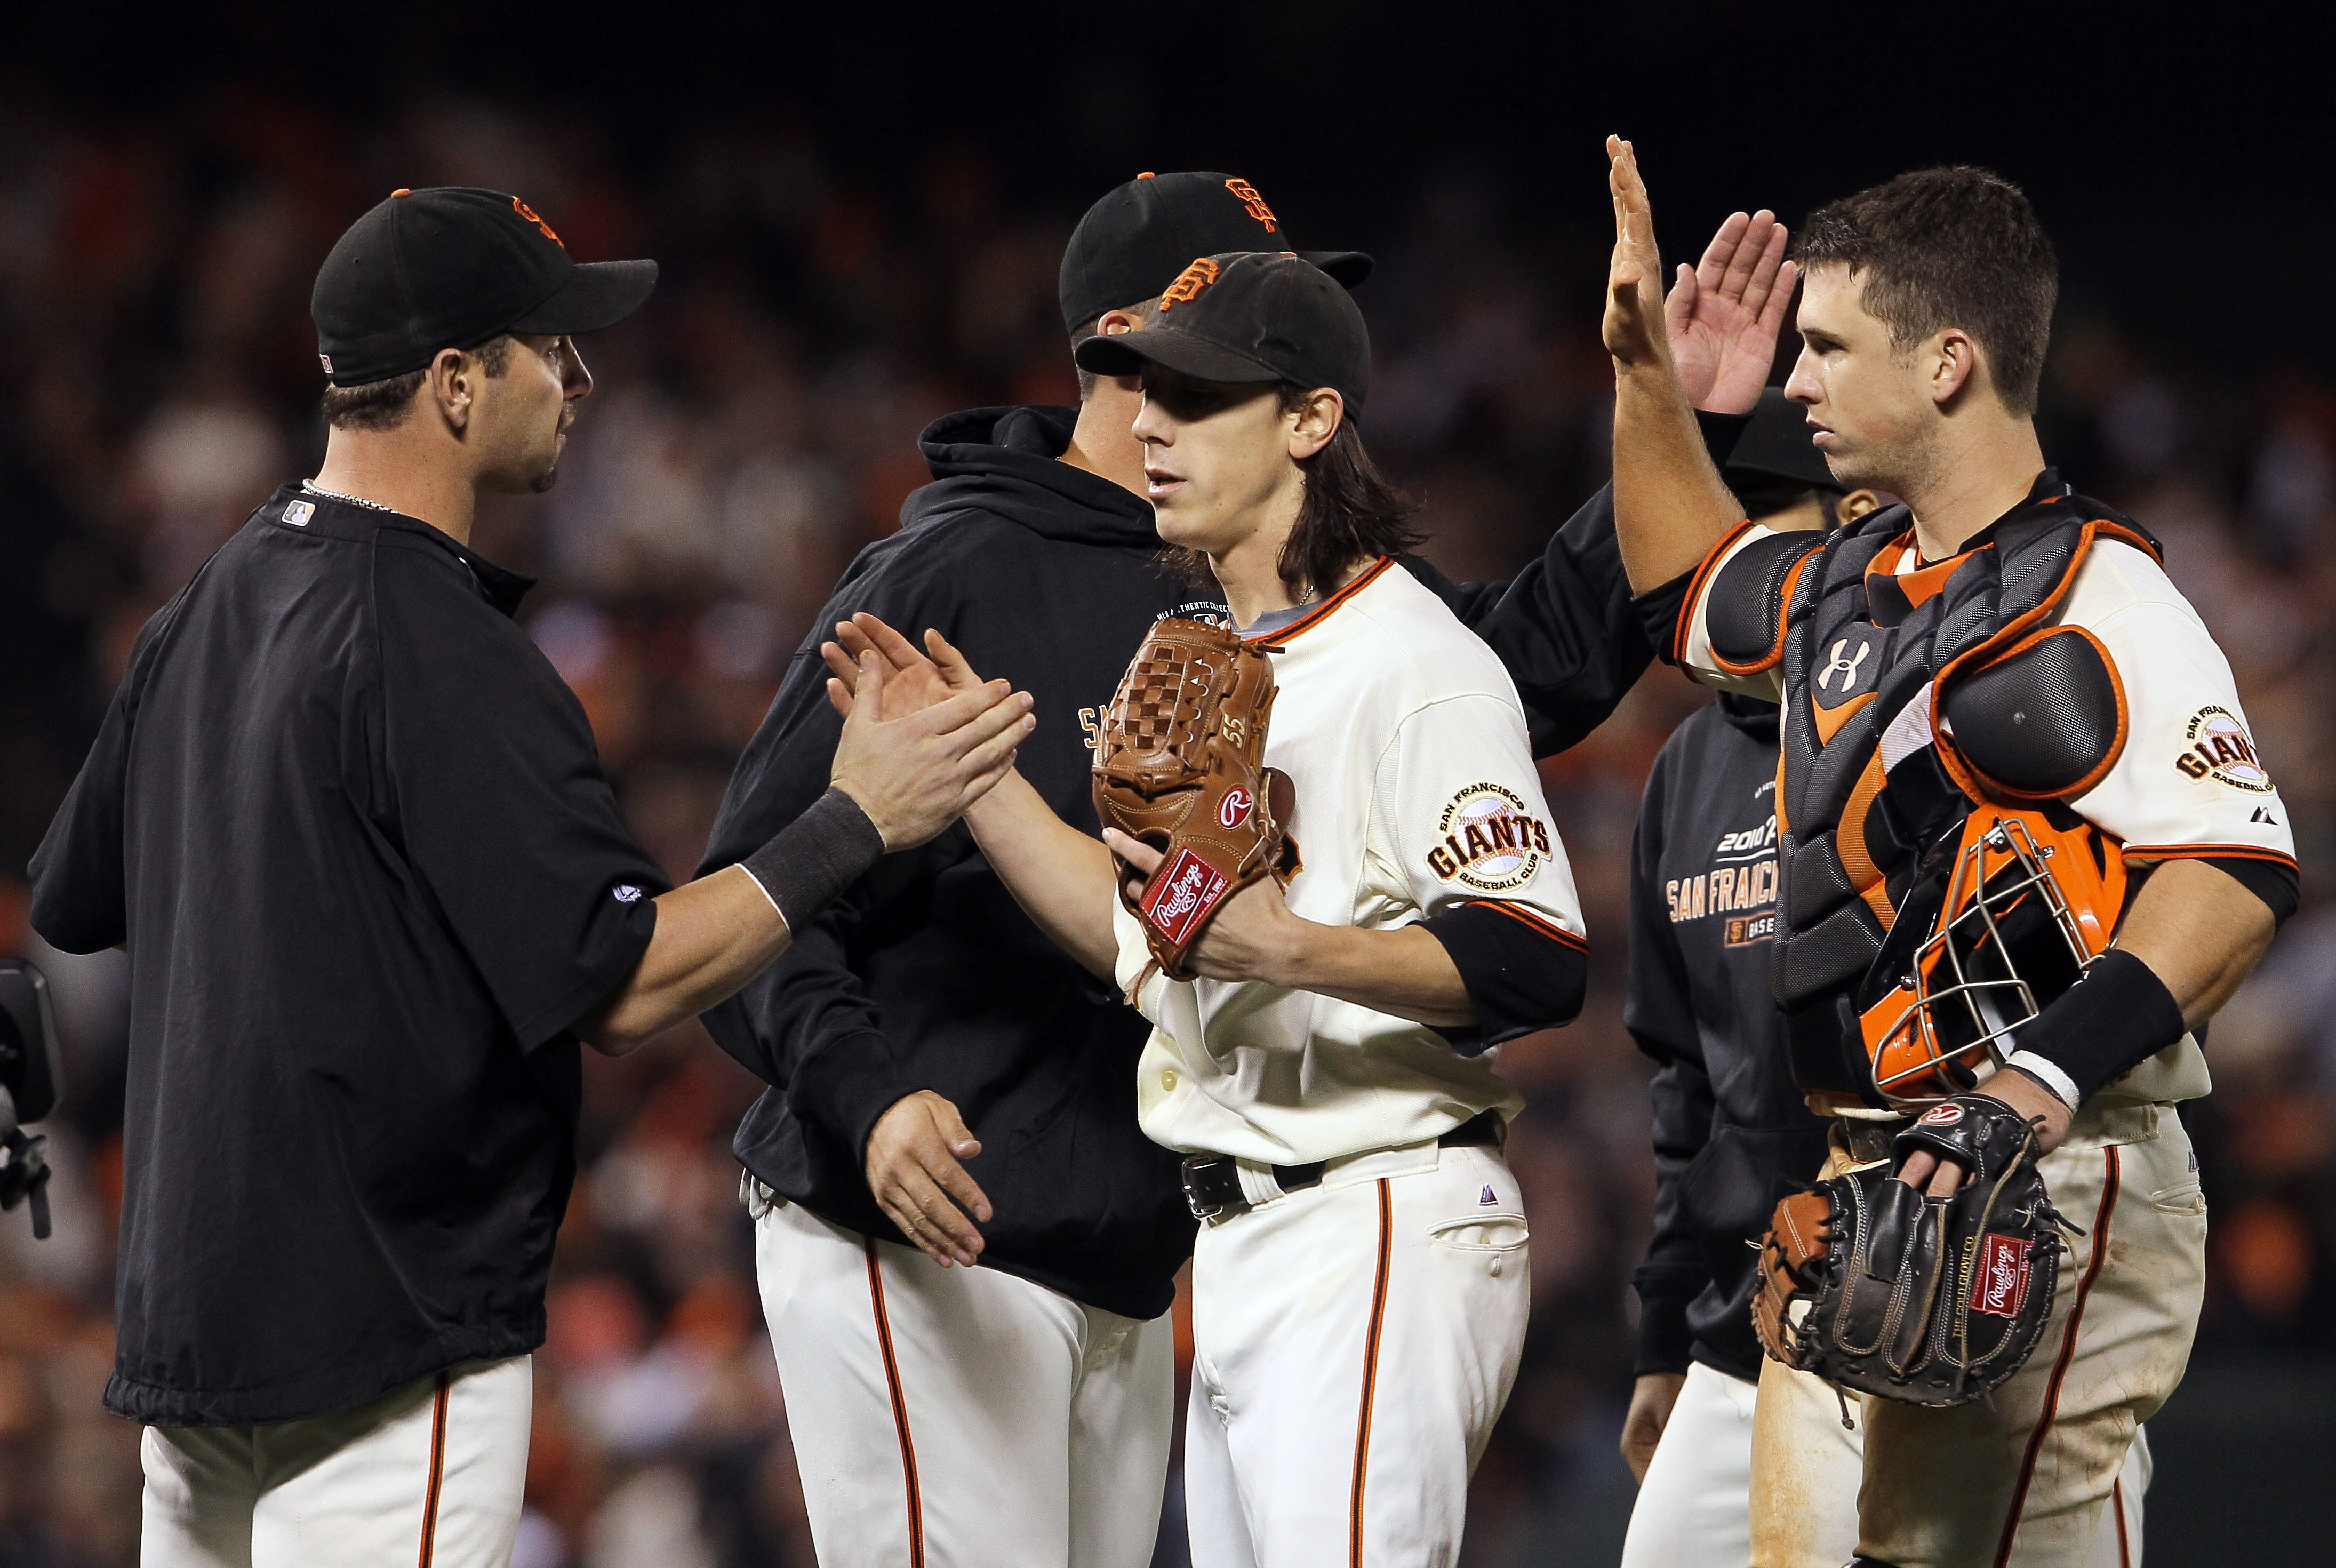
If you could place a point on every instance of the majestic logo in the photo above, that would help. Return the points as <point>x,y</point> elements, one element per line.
<point>1488,1197</point>
<point>1942,1116</point>
<point>1189,283</point>
<point>1492,840</point>
<point>2220,750</point>
<point>627,893</point>
<point>1180,900</point>
<point>1254,202</point>
<point>1234,809</point>
<point>326,361</point>
<point>1844,667</point>
<point>2002,1279</point>
<point>524,210</point>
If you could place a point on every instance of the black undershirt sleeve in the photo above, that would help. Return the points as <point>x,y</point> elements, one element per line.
<point>2273,882</point>
<point>1520,977</point>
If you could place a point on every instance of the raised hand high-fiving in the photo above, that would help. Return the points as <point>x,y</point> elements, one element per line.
<point>1722,316</point>
<point>1633,327</point>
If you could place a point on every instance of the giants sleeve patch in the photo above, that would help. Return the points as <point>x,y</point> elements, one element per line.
<point>1492,841</point>
<point>2220,749</point>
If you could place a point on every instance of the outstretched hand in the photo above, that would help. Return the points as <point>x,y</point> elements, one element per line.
<point>914,679</point>
<point>914,768</point>
<point>1633,327</point>
<point>1722,316</point>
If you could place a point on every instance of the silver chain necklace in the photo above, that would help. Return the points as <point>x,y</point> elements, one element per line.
<point>312,488</point>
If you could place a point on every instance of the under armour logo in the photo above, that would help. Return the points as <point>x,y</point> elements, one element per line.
<point>1847,666</point>
<point>1487,1197</point>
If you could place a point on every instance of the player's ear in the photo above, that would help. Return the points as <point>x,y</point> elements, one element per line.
<point>1314,421</point>
<point>449,384</point>
<point>1951,359</point>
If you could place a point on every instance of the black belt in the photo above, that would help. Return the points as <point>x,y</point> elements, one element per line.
<point>1212,1182</point>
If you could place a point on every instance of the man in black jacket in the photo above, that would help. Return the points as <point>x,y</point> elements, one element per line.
<point>1732,1134</point>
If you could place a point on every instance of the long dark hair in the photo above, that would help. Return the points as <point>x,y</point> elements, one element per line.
<point>1350,513</point>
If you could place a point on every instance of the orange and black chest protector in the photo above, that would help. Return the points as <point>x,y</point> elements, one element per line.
<point>1911,700</point>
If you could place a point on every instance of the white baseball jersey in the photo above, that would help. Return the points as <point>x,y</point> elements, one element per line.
<point>2189,782</point>
<point>1416,793</point>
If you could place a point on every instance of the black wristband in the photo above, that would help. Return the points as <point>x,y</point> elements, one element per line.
<point>2103,1026</point>
<point>815,857</point>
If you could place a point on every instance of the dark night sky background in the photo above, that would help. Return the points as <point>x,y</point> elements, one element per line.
<point>2179,156</point>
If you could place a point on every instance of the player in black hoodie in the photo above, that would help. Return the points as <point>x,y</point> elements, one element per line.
<point>1732,1134</point>
<point>1021,1411</point>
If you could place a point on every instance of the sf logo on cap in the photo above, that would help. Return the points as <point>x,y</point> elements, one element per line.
<point>1189,283</point>
<point>1254,202</point>
<point>524,210</point>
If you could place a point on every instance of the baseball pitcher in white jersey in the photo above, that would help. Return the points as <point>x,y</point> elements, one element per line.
<point>2026,848</point>
<point>1359,1284</point>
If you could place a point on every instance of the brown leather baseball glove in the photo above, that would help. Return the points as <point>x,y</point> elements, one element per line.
<point>1925,1300</point>
<point>1179,767</point>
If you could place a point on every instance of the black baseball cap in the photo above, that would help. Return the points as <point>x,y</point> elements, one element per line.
<point>1142,234</point>
<point>1776,446</point>
<point>1248,317</point>
<point>451,267</point>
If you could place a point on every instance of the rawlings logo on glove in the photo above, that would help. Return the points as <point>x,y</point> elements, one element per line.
<point>1869,1284</point>
<point>1178,767</point>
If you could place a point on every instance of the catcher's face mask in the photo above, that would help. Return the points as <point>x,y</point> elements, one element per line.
<point>2028,906</point>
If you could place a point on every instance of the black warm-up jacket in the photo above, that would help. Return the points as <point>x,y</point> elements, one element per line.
<point>926,975</point>
<point>1732,1136</point>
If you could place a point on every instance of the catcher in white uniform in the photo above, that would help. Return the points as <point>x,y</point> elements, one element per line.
<point>2026,847</point>
<point>1360,1281</point>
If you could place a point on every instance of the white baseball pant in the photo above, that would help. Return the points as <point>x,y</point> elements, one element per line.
<point>1694,1508</point>
<point>432,1474</point>
<point>1353,1344</point>
<point>957,1417</point>
<point>2034,1476</point>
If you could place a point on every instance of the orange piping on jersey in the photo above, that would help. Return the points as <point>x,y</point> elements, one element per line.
<point>900,1404</point>
<point>1548,928</point>
<point>2205,852</point>
<point>1777,795</point>
<point>1775,654</point>
<point>2068,1353</point>
<point>1849,843</point>
<point>2117,1501</point>
<point>1829,720</point>
<point>1274,642</point>
<point>1697,583</point>
<point>1370,1380</point>
<point>437,1474</point>
<point>2116,747</point>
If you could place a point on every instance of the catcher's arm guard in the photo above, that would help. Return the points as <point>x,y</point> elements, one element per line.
<point>1179,767</point>
<point>1925,1300</point>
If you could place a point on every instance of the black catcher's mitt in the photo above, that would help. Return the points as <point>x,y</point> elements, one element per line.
<point>1926,1300</point>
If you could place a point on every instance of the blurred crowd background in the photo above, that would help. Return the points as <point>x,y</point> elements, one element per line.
<point>751,430</point>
